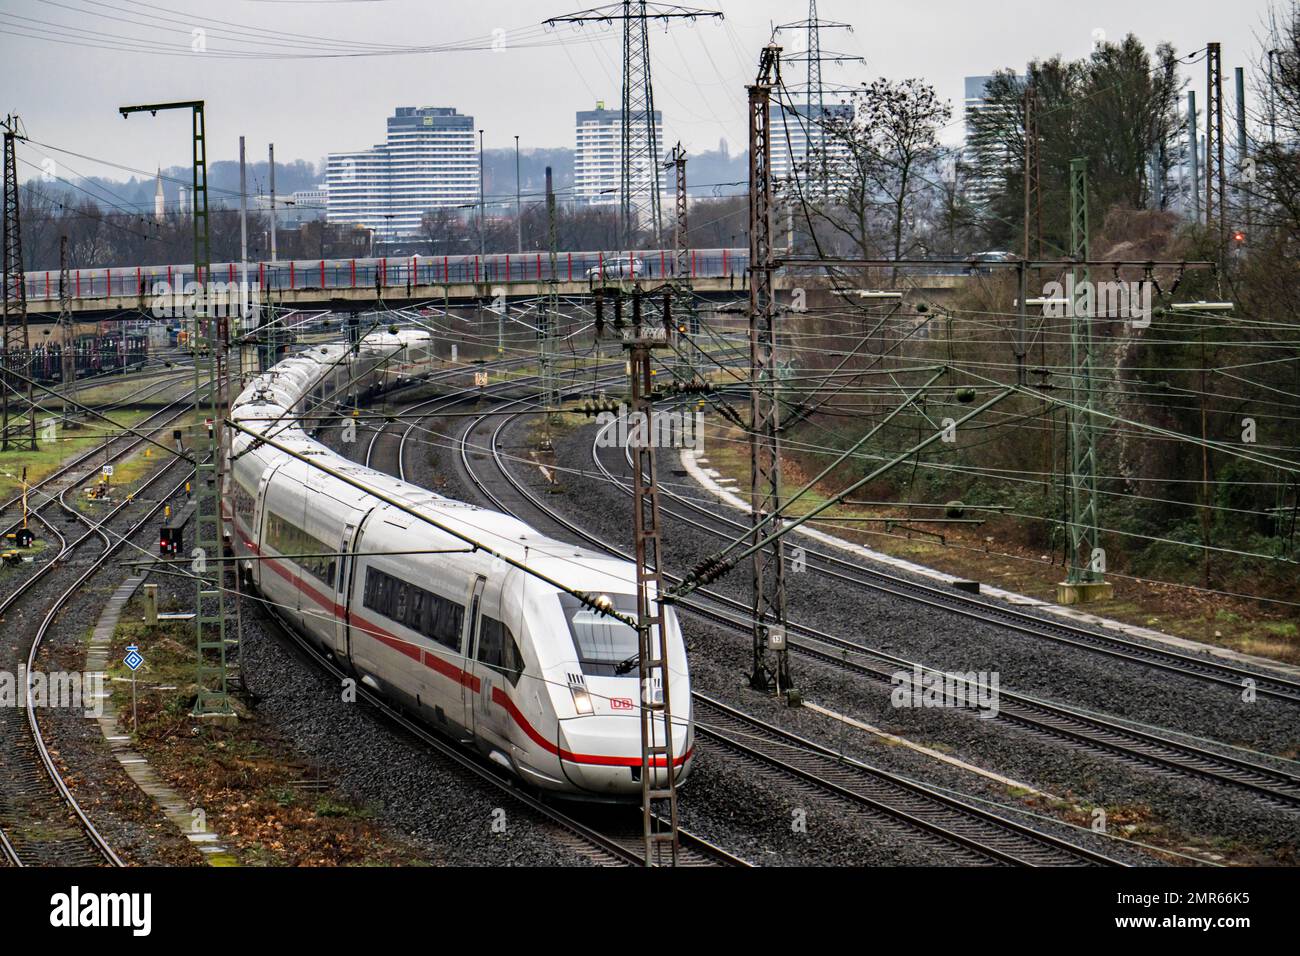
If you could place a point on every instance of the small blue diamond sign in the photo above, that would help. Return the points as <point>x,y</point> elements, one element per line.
<point>133,657</point>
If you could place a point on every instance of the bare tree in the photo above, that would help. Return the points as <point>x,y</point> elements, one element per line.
<point>879,161</point>
<point>1278,157</point>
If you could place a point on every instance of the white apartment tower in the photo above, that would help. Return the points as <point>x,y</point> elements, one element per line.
<point>598,157</point>
<point>430,160</point>
<point>985,163</point>
<point>800,130</point>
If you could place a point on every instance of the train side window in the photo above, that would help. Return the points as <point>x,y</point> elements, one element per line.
<point>491,639</point>
<point>513,662</point>
<point>308,552</point>
<point>457,614</point>
<point>433,625</point>
<point>415,616</point>
<point>423,611</point>
<point>429,618</point>
<point>450,623</point>
<point>498,650</point>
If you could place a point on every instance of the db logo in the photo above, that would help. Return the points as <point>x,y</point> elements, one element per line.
<point>620,703</point>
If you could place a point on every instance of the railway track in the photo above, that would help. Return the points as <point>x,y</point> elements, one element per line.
<point>1278,787</point>
<point>41,821</point>
<point>605,845</point>
<point>24,757</point>
<point>613,840</point>
<point>1008,618</point>
<point>68,474</point>
<point>1274,786</point>
<point>160,381</point>
<point>976,834</point>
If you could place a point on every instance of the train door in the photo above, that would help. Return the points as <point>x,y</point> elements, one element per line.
<point>259,520</point>
<point>343,593</point>
<point>493,657</point>
<point>474,609</point>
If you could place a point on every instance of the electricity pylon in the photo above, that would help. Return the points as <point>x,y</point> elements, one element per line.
<point>1086,562</point>
<point>1216,174</point>
<point>639,196</point>
<point>16,361</point>
<point>549,314</point>
<point>768,578</point>
<point>814,88</point>
<point>67,335</point>
<point>210,338</point>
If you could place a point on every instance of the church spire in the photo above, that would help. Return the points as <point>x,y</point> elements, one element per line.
<point>159,204</point>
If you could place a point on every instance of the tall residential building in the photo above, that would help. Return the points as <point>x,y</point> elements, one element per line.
<point>800,130</point>
<point>598,157</point>
<point>976,96</point>
<point>430,160</point>
<point>310,203</point>
<point>984,163</point>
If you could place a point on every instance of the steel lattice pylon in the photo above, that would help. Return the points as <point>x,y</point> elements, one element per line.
<point>209,337</point>
<point>656,701</point>
<point>67,338</point>
<point>768,577</point>
<point>1083,566</point>
<point>1033,177</point>
<point>640,183</point>
<point>815,90</point>
<point>16,361</point>
<point>681,254</point>
<point>639,195</point>
<point>681,280</point>
<point>548,317</point>
<point>210,619</point>
<point>816,93</point>
<point>1216,174</point>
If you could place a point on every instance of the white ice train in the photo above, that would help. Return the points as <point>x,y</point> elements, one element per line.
<point>539,681</point>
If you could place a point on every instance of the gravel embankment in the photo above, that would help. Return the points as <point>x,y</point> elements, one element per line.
<point>1163,808</point>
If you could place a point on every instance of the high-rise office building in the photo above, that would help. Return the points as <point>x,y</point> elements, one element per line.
<point>799,136</point>
<point>984,164</point>
<point>598,157</point>
<point>430,160</point>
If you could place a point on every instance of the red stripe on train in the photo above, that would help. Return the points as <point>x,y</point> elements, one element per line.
<point>451,671</point>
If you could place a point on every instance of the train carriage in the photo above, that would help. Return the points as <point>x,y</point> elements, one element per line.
<point>542,682</point>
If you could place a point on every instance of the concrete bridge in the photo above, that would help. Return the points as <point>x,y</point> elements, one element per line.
<point>356,285</point>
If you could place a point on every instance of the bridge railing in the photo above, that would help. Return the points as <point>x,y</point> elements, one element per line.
<point>389,272</point>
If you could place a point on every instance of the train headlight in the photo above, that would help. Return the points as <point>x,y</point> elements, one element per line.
<point>581,699</point>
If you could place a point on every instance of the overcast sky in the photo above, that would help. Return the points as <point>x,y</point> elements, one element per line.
<point>308,87</point>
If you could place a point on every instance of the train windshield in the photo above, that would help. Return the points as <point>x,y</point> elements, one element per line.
<point>606,646</point>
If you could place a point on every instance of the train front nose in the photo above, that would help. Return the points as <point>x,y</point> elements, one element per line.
<point>602,754</point>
